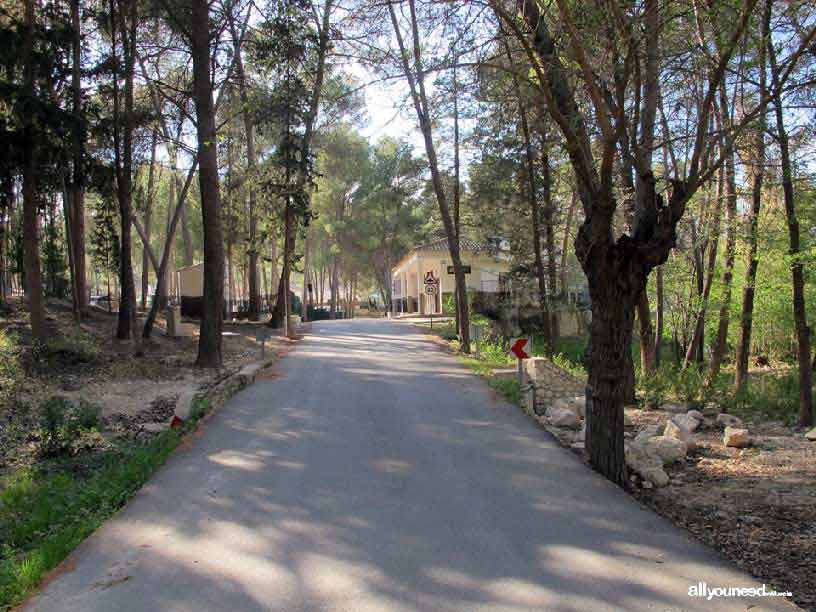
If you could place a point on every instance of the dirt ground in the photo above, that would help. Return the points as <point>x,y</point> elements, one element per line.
<point>756,505</point>
<point>135,391</point>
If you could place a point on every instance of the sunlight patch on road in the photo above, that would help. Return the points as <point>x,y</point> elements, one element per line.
<point>238,460</point>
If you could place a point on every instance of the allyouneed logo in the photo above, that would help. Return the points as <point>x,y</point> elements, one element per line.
<point>701,589</point>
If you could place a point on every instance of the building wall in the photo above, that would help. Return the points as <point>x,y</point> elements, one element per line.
<point>191,281</point>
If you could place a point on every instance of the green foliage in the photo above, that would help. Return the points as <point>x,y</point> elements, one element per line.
<point>62,423</point>
<point>46,513</point>
<point>73,347</point>
<point>11,369</point>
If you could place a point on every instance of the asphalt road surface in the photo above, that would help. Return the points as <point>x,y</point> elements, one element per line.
<point>373,472</point>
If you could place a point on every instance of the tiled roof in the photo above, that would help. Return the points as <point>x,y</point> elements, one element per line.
<point>465,244</point>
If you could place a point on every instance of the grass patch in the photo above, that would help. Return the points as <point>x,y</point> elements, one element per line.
<point>47,510</point>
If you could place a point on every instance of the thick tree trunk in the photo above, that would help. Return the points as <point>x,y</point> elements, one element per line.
<point>609,350</point>
<point>209,344</point>
<point>797,268</point>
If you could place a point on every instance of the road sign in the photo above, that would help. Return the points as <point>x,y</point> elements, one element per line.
<point>465,269</point>
<point>430,289</point>
<point>518,346</point>
<point>430,279</point>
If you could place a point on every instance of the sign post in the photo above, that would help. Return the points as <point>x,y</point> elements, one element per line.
<point>261,336</point>
<point>518,346</point>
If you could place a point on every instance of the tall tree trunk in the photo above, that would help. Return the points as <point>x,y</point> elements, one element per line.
<point>283,303</point>
<point>209,343</point>
<point>456,185</point>
<point>794,250</point>
<point>658,343</point>
<point>304,294</point>
<point>416,83</point>
<point>165,269</point>
<point>249,129</point>
<point>563,288</point>
<point>535,208</point>
<point>547,217</point>
<point>148,214</point>
<point>76,201</point>
<point>752,264</point>
<point>274,275</point>
<point>31,243</point>
<point>724,317</point>
<point>230,300</point>
<point>704,286</point>
<point>333,286</point>
<point>125,22</point>
<point>187,239</point>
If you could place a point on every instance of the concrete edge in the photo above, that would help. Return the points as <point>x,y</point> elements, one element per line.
<point>193,401</point>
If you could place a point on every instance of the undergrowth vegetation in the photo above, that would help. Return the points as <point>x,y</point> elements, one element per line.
<point>771,394</point>
<point>48,508</point>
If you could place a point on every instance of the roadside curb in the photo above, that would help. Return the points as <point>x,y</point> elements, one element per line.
<point>192,404</point>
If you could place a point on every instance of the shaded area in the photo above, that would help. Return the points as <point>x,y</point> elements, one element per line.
<point>375,473</point>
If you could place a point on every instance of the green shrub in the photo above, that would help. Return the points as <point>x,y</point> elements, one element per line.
<point>73,346</point>
<point>577,369</point>
<point>11,368</point>
<point>62,423</point>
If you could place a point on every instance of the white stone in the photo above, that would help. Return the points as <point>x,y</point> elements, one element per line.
<point>560,417</point>
<point>184,404</point>
<point>696,414</point>
<point>811,435</point>
<point>728,420</point>
<point>573,404</point>
<point>673,430</point>
<point>650,431</point>
<point>642,461</point>
<point>736,438</point>
<point>668,449</point>
<point>675,408</point>
<point>689,423</point>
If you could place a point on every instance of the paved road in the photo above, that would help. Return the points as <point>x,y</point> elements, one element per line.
<point>372,472</point>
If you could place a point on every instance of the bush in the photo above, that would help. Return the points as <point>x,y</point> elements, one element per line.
<point>74,347</point>
<point>11,368</point>
<point>62,423</point>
